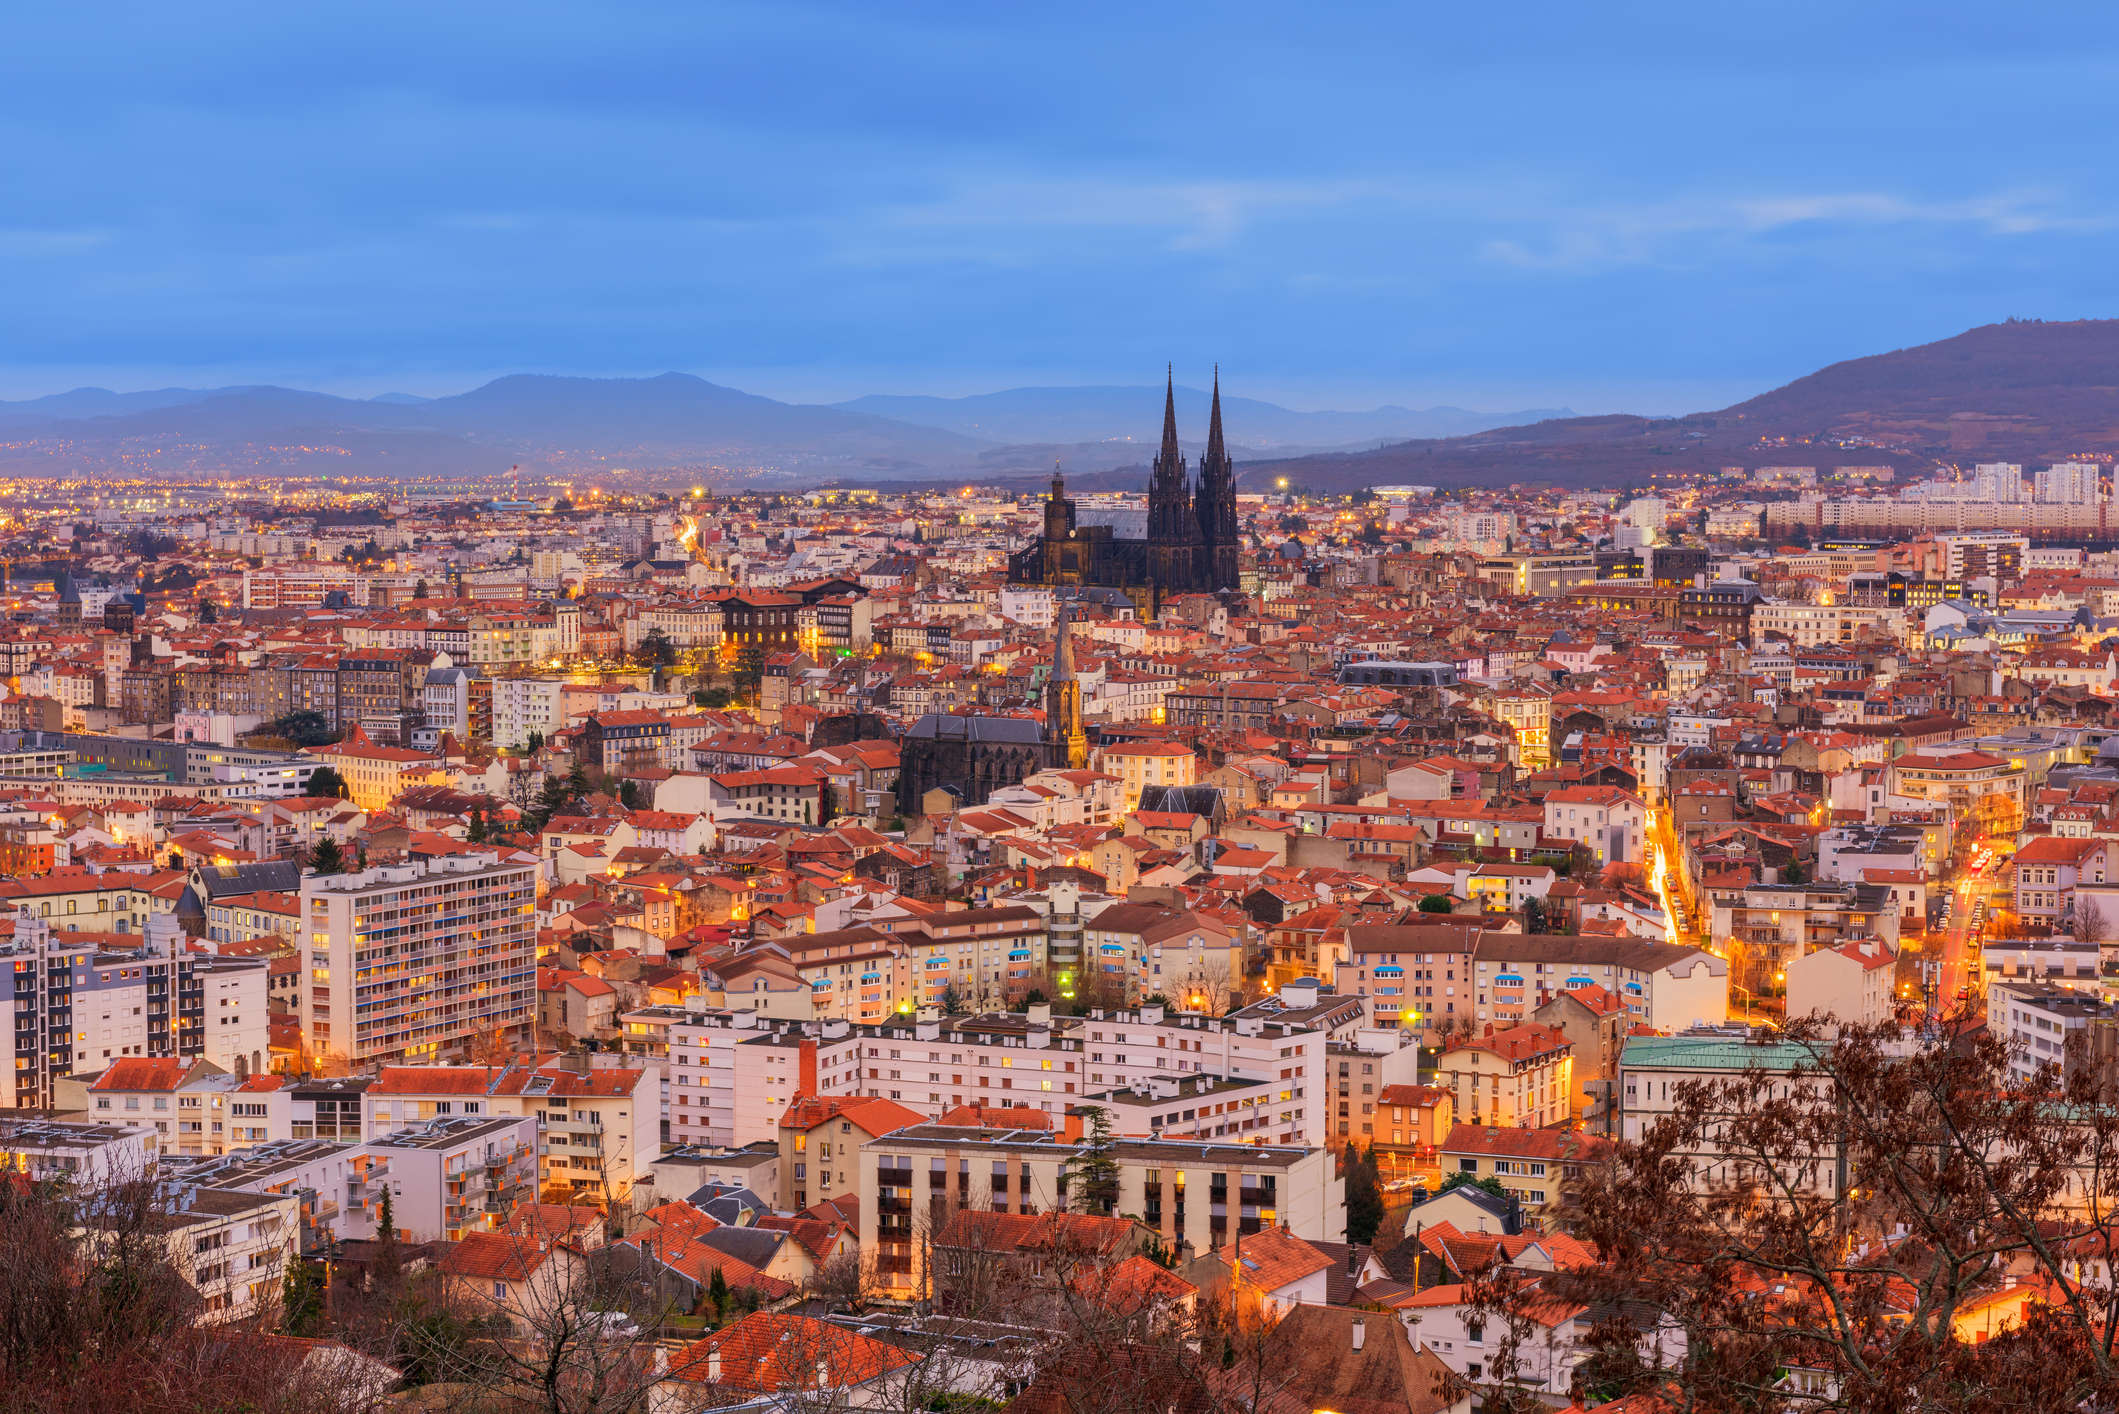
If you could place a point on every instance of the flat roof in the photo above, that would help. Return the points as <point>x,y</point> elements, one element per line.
<point>1712,1053</point>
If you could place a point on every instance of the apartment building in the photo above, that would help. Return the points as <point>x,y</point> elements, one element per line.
<point>1985,794</point>
<point>1358,1072</point>
<point>733,1073</point>
<point>413,962</point>
<point>982,956</point>
<point>1140,764</point>
<point>1521,1075</point>
<point>820,1145</point>
<point>73,1008</point>
<point>1653,1071</point>
<point>194,1107</point>
<point>447,1178</point>
<point>1434,978</point>
<point>2037,1021</point>
<point>597,1129</point>
<point>526,705</point>
<point>85,1155</point>
<point>1197,1197</point>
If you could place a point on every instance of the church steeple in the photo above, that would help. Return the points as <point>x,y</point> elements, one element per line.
<point>1216,504</point>
<point>1173,527</point>
<point>1066,741</point>
<point>1215,454</point>
<point>1170,454</point>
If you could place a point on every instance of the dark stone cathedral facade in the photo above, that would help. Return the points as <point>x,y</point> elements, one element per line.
<point>1191,545</point>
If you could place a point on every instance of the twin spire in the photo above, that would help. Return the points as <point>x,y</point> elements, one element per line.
<point>1215,451</point>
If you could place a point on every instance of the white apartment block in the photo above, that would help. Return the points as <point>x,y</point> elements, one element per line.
<point>732,1074</point>
<point>525,705</point>
<point>2069,484</point>
<point>597,1129</point>
<point>411,962</point>
<point>1194,1195</point>
<point>447,1178</point>
<point>76,1008</point>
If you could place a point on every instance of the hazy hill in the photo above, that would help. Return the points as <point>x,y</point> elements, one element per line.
<point>578,424</point>
<point>2022,391</point>
<point>1096,414</point>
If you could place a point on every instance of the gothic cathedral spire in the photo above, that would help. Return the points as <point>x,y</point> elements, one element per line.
<point>1216,505</point>
<point>1066,741</point>
<point>1173,528</point>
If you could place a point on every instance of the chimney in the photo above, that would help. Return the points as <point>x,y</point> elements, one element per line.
<point>1361,1333</point>
<point>713,1365</point>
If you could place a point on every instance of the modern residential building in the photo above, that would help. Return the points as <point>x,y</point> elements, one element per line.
<point>418,962</point>
<point>74,1007</point>
<point>1196,1197</point>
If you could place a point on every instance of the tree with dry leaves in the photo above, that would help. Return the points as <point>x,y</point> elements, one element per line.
<point>1878,1220</point>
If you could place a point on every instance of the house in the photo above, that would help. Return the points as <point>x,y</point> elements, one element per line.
<point>673,1253</point>
<point>524,1278</point>
<point>1604,819</point>
<point>576,1003</point>
<point>1523,1074</point>
<point>1595,1022</point>
<point>1268,1272</point>
<point>1531,1164</point>
<point>821,1139</point>
<point>981,1257</point>
<point>2047,872</point>
<point>1851,983</point>
<point>1334,1357</point>
<point>782,1352</point>
<point>1410,1125</point>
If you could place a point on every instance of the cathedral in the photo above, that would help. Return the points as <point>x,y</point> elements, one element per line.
<point>1191,543</point>
<point>972,755</point>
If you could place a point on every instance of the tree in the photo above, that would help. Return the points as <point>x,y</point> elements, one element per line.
<point>305,728</point>
<point>419,590</point>
<point>632,795</point>
<point>1847,1206</point>
<point>302,1298</point>
<point>1793,873</point>
<point>1437,903</point>
<point>656,649</point>
<point>476,832</point>
<point>1364,1195</point>
<point>326,781</point>
<point>96,1316</point>
<point>327,857</point>
<point>717,1295</point>
<point>533,743</point>
<point>712,698</point>
<point>1534,915</point>
<point>1488,1184</point>
<point>750,670</point>
<point>1092,1175</point>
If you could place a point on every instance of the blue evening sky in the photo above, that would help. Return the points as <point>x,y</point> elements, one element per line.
<point>1654,207</point>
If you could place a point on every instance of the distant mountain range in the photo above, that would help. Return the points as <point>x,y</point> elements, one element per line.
<point>2021,391</point>
<point>672,423</point>
<point>1075,415</point>
<point>2027,391</point>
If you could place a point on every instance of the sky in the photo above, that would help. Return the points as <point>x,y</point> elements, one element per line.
<point>1640,207</point>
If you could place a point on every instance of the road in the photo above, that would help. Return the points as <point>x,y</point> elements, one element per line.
<point>1667,878</point>
<point>1960,961</point>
